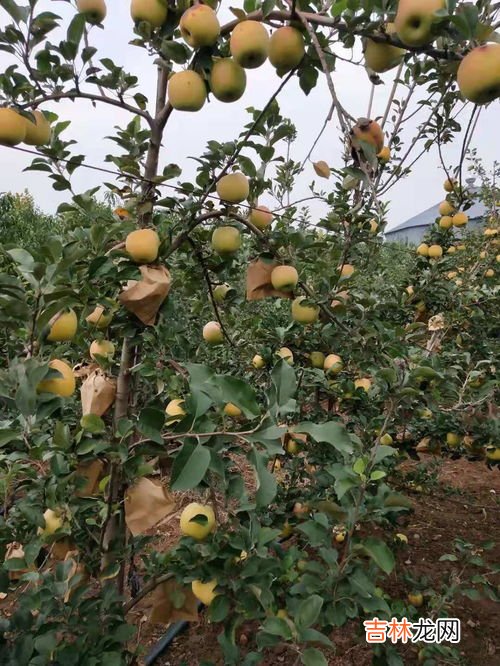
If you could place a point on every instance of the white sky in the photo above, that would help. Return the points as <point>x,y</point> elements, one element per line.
<point>187,133</point>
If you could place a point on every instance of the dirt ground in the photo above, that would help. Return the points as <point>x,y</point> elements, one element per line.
<point>462,501</point>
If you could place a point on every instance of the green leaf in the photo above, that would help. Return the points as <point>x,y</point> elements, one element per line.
<point>238,392</point>
<point>332,433</point>
<point>190,466</point>
<point>379,552</point>
<point>76,29</point>
<point>285,385</point>
<point>92,423</point>
<point>383,452</point>
<point>151,422</point>
<point>276,626</point>
<point>219,608</point>
<point>308,611</point>
<point>266,482</point>
<point>313,657</point>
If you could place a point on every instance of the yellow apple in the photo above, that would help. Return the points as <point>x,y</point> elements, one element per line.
<point>435,251</point>
<point>423,250</point>
<point>228,80</point>
<point>381,57</point>
<point>286,354</point>
<point>489,273</point>
<point>62,386</point>
<point>258,362</point>
<point>414,20</point>
<point>445,208</point>
<point>373,226</point>
<point>333,364</point>
<point>446,222</point>
<point>449,185</point>
<point>220,292</point>
<point>93,10</point>
<point>12,127</point>
<point>175,411</point>
<point>493,453</point>
<point>212,333</point>
<point>232,410</point>
<point>104,348</point>
<point>386,440</point>
<point>63,326</point>
<point>152,11</point>
<point>226,240</point>
<point>187,91</point>
<point>53,521</point>
<point>347,270</point>
<point>478,75</point>
<point>452,439</point>
<point>286,48</point>
<point>416,599</point>
<point>261,217</point>
<point>142,245</point>
<point>199,26</point>
<point>249,44</point>
<point>460,219</point>
<point>384,155</point>
<point>197,520</point>
<point>451,250</point>
<point>304,314</point>
<point>99,318</point>
<point>363,383</point>
<point>369,131</point>
<point>317,359</point>
<point>233,187</point>
<point>37,130</point>
<point>204,592</point>
<point>284,278</point>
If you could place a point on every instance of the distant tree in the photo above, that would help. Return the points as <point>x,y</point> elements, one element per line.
<point>23,224</point>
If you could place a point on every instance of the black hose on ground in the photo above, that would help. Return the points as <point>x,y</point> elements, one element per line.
<point>167,639</point>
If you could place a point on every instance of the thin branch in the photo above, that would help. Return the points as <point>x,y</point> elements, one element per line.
<point>320,134</point>
<point>73,94</point>
<point>149,587</point>
<point>391,98</point>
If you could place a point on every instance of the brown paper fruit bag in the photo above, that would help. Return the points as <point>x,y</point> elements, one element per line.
<point>144,297</point>
<point>147,502</point>
<point>97,393</point>
<point>259,280</point>
<point>172,602</point>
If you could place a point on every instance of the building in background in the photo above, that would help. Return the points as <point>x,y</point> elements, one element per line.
<point>413,230</point>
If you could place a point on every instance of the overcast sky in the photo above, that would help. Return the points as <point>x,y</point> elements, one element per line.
<point>187,133</point>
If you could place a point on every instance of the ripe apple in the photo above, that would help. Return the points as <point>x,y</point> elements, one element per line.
<point>384,155</point>
<point>423,250</point>
<point>104,348</point>
<point>261,217</point>
<point>286,354</point>
<point>363,383</point>
<point>416,599</point>
<point>187,91</point>
<point>478,75</point>
<point>449,185</point>
<point>142,245</point>
<point>446,208</point>
<point>284,278</point>
<point>414,20</point>
<point>381,57</point>
<point>249,44</point>
<point>220,292</point>
<point>152,11</point>
<point>446,222</point>
<point>489,273</point>
<point>53,521</point>
<point>62,386</point>
<point>317,359</point>
<point>346,271</point>
<point>452,439</point>
<point>228,80</point>
<point>386,440</point>
<point>232,410</point>
<point>99,318</point>
<point>93,10</point>
<point>197,520</point>
<point>258,362</point>
<point>212,333</point>
<point>63,326</point>
<point>175,411</point>
<point>286,48</point>
<point>369,131</point>
<point>204,592</point>
<point>333,364</point>
<point>233,187</point>
<point>37,130</point>
<point>12,127</point>
<point>460,219</point>
<point>304,314</point>
<point>435,251</point>
<point>199,26</point>
<point>226,240</point>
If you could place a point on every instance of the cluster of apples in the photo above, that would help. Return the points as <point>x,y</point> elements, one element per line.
<point>478,75</point>
<point>16,128</point>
